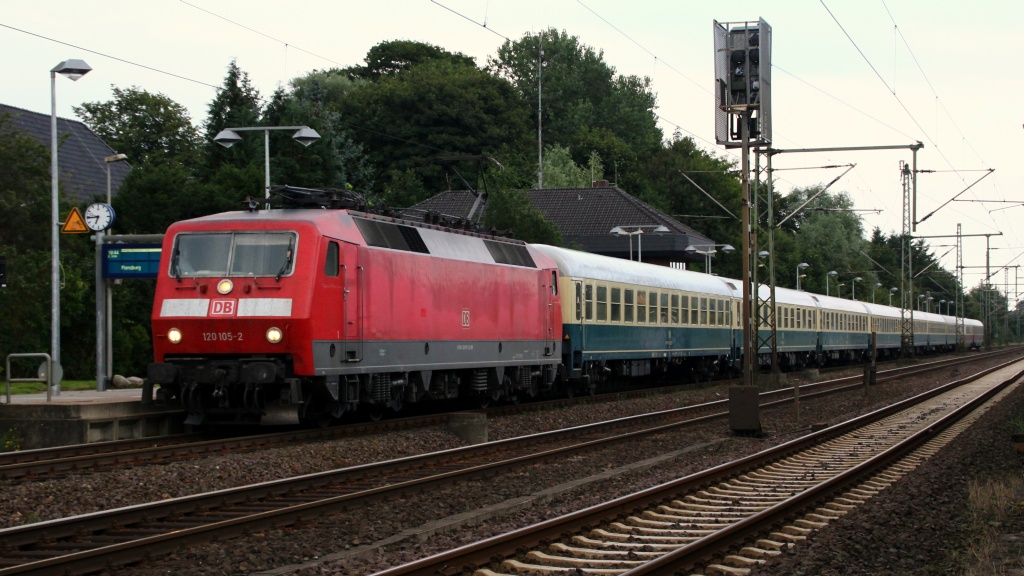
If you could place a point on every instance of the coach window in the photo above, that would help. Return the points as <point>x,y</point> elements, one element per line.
<point>588,298</point>
<point>664,308</point>
<point>685,304</point>
<point>652,312</point>
<point>641,307</point>
<point>721,313</point>
<point>331,261</point>
<point>703,311</point>
<point>675,309</point>
<point>712,312</point>
<point>693,311</point>
<point>616,304</point>
<point>628,311</point>
<point>602,303</point>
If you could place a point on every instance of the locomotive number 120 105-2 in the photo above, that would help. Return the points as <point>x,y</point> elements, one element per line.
<point>222,336</point>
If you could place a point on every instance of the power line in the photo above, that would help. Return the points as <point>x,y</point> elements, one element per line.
<point>253,30</point>
<point>76,47</point>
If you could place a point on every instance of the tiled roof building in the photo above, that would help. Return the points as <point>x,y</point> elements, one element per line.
<point>585,218</point>
<point>83,172</point>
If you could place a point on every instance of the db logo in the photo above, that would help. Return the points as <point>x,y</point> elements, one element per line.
<point>465,317</point>
<point>222,308</point>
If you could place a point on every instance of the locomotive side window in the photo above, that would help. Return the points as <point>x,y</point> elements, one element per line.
<point>331,260</point>
<point>236,254</point>
<point>628,316</point>
<point>616,304</point>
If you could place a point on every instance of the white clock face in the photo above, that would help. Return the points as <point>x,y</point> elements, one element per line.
<point>99,216</point>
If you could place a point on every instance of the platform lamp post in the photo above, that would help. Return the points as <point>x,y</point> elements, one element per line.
<point>104,303</point>
<point>229,136</point>
<point>877,286</point>
<point>941,302</point>
<point>72,69</point>
<point>831,274</point>
<point>853,287</point>
<point>920,297</point>
<point>892,291</point>
<point>621,231</point>
<point>800,267</point>
<point>707,251</point>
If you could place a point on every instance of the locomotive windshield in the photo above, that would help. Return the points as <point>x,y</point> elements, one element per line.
<point>233,254</point>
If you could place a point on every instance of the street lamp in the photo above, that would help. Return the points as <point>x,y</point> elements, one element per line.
<point>73,69</point>
<point>799,267</point>
<point>877,286</point>
<point>853,287</point>
<point>833,274</point>
<point>620,231</point>
<point>920,297</point>
<point>839,289</point>
<point>941,302</point>
<point>229,136</point>
<point>892,291</point>
<point>708,250</point>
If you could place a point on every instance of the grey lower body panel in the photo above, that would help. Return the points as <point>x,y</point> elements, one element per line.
<point>409,356</point>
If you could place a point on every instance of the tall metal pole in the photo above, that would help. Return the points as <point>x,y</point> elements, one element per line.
<point>540,145</point>
<point>749,327</point>
<point>54,231</point>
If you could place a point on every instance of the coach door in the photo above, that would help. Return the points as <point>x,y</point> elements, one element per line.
<point>353,280</point>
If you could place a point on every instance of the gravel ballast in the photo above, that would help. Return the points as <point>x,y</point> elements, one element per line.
<point>384,534</point>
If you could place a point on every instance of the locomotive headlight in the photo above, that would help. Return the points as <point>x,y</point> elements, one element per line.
<point>274,335</point>
<point>225,286</point>
<point>174,336</point>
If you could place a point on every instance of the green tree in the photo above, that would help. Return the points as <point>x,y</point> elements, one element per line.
<point>394,56</point>
<point>509,210</point>
<point>435,110</point>
<point>237,105</point>
<point>146,127</point>
<point>585,105</point>
<point>561,172</point>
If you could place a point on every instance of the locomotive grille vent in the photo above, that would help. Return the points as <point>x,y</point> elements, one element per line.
<point>394,236</point>
<point>513,254</point>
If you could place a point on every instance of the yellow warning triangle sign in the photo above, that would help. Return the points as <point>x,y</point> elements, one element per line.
<point>74,223</point>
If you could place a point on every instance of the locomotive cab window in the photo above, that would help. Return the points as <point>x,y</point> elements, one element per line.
<point>234,254</point>
<point>331,260</point>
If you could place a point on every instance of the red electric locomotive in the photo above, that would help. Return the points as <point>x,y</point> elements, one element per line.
<point>311,313</point>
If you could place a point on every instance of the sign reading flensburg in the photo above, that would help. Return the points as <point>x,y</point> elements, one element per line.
<point>131,260</point>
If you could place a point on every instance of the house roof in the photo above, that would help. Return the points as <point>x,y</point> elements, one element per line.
<point>585,217</point>
<point>83,172</point>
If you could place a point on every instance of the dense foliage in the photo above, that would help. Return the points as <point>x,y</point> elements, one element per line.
<point>412,120</point>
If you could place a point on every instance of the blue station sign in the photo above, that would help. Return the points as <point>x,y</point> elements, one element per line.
<point>131,260</point>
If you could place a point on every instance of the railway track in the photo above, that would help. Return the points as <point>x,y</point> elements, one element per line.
<point>51,462</point>
<point>728,519</point>
<point>91,542</point>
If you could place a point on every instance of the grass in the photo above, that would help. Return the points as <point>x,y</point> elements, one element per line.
<point>38,387</point>
<point>992,502</point>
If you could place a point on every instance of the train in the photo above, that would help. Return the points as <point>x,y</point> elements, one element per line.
<point>312,309</point>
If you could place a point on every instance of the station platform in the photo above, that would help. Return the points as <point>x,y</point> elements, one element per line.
<point>80,417</point>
